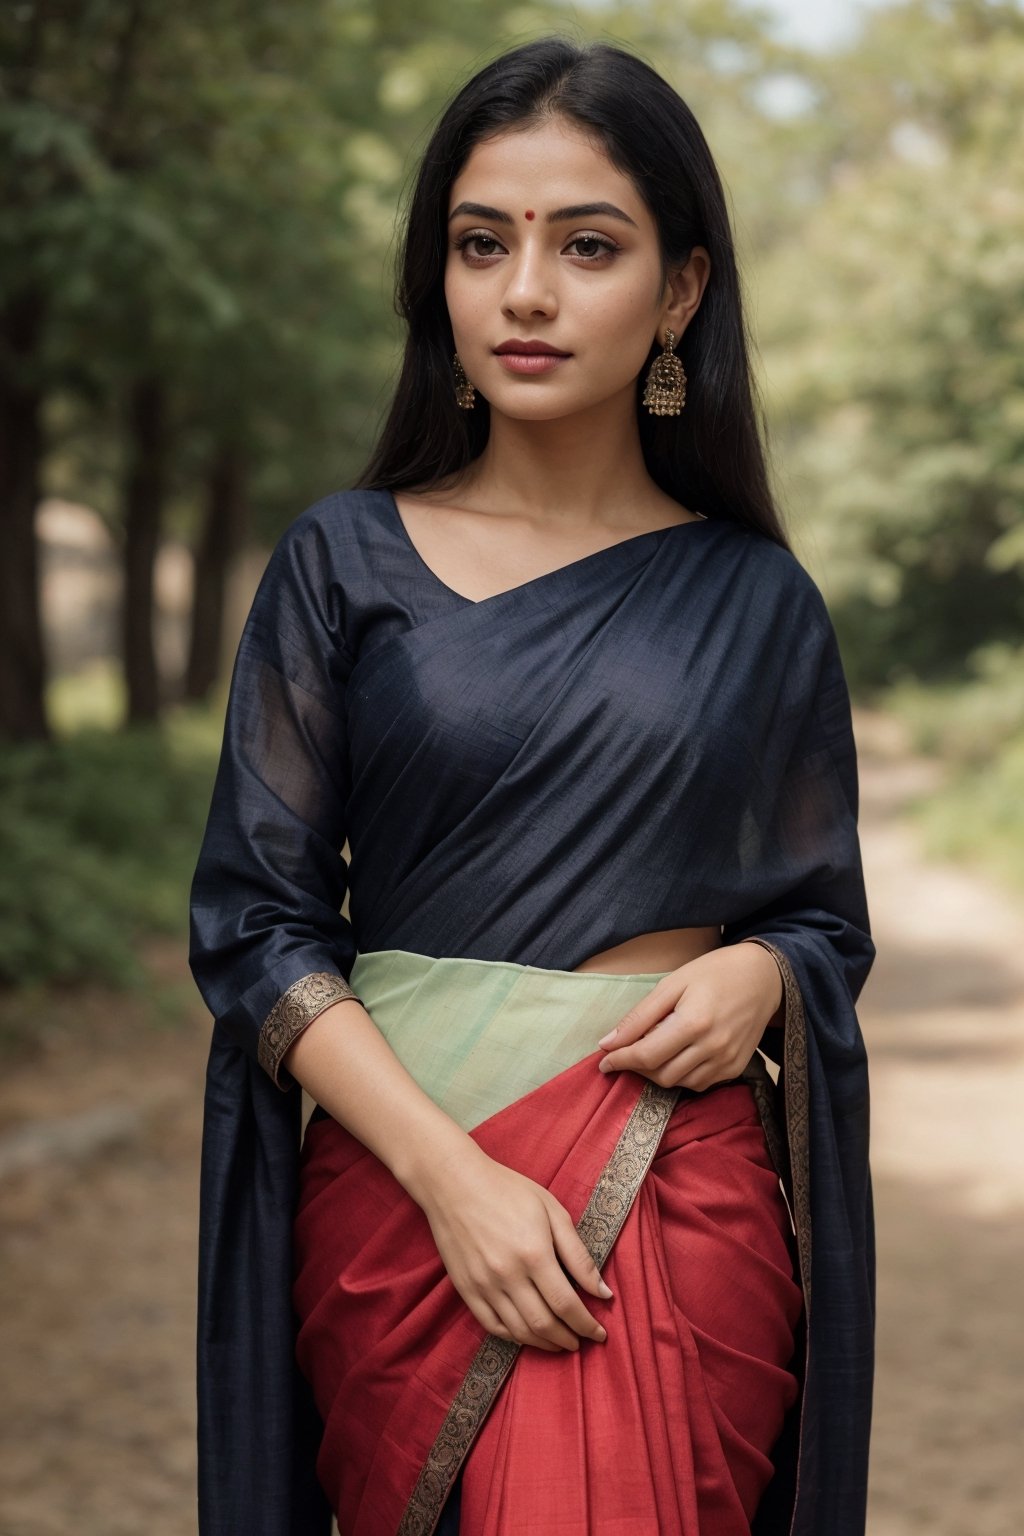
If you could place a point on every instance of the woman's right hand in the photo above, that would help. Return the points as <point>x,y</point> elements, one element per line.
<point>500,1236</point>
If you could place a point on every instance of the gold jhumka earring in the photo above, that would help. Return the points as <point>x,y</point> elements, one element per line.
<point>465,394</point>
<point>665,391</point>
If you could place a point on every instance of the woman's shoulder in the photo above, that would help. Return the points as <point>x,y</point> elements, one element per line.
<point>321,569</point>
<point>332,547</point>
<point>338,521</point>
<point>775,579</point>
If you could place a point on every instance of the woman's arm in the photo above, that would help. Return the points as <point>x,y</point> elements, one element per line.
<point>499,1234</point>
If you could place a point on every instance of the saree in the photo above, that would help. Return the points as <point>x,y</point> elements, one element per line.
<point>676,1195</point>
<point>657,735</point>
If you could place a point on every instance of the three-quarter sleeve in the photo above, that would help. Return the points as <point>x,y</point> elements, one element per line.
<point>269,946</point>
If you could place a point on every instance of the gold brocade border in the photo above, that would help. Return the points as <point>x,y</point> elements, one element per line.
<point>766,1098</point>
<point>625,1170</point>
<point>797,1112</point>
<point>599,1226</point>
<point>294,1010</point>
<point>796,1100</point>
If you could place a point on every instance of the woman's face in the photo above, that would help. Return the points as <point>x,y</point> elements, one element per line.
<point>534,260</point>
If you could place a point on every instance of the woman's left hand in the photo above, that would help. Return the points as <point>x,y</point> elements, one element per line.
<point>700,1024</point>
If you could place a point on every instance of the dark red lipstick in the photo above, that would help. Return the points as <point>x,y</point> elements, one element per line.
<point>529,356</point>
<point>530,348</point>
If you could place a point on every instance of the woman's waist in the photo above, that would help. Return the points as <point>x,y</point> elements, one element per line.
<point>661,951</point>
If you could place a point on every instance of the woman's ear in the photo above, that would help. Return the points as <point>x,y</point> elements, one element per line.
<point>685,289</point>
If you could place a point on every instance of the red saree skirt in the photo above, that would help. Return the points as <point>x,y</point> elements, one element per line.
<point>667,1427</point>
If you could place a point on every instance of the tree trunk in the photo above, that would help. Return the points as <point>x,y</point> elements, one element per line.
<point>22,656</point>
<point>143,506</point>
<point>219,542</point>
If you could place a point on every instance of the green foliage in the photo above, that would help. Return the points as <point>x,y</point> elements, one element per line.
<point>968,723</point>
<point>977,729</point>
<point>978,818</point>
<point>98,841</point>
<point>893,324</point>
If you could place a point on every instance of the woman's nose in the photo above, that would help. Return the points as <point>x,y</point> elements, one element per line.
<point>529,289</point>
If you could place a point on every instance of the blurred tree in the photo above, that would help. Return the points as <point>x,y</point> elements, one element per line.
<point>220,538</point>
<point>894,318</point>
<point>93,130</point>
<point>22,673</point>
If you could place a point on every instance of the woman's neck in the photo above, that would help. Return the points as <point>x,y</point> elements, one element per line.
<point>576,472</point>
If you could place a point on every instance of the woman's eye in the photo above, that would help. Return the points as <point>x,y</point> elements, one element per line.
<point>464,241</point>
<point>600,247</point>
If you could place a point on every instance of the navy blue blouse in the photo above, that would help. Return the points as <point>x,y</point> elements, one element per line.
<point>656,735</point>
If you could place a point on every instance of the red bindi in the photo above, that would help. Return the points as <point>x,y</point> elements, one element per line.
<point>530,213</point>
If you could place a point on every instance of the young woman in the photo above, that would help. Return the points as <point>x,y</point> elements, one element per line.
<point>544,1260</point>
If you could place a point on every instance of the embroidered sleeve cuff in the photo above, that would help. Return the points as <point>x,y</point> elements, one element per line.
<point>778,1019</point>
<point>293,1012</point>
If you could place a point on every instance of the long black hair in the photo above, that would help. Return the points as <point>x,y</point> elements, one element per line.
<point>710,457</point>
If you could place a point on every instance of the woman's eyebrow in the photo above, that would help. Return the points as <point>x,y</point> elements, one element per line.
<point>560,215</point>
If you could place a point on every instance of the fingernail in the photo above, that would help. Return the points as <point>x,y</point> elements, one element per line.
<point>606,1291</point>
<point>604,1066</point>
<point>602,1336</point>
<point>605,1039</point>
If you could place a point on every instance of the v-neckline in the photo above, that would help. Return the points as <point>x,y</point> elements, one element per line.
<point>522,586</point>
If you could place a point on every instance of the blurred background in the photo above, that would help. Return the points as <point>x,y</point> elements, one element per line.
<point>197,339</point>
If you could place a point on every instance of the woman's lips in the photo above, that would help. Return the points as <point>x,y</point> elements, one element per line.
<point>531,362</point>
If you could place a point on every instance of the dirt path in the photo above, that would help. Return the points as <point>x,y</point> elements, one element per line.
<point>98,1167</point>
<point>943,1015</point>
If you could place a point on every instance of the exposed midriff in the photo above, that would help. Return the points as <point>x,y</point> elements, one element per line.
<point>664,950</point>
